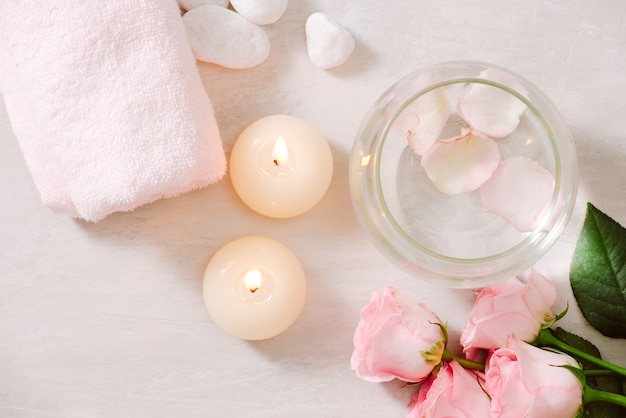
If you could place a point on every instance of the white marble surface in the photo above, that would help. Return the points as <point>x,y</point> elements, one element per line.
<point>107,319</point>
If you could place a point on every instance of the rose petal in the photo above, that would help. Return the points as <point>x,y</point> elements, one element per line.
<point>541,295</point>
<point>392,337</point>
<point>461,164</point>
<point>433,112</point>
<point>524,380</point>
<point>490,332</point>
<point>537,365</point>
<point>489,109</point>
<point>511,307</point>
<point>518,191</point>
<point>396,352</point>
<point>501,375</point>
<point>423,119</point>
<point>453,392</point>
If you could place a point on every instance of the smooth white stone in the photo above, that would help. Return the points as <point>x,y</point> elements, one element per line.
<point>328,43</point>
<point>222,37</point>
<point>192,4</point>
<point>260,12</point>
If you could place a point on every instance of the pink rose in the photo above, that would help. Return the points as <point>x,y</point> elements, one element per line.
<point>455,392</point>
<point>526,381</point>
<point>396,338</point>
<point>511,307</point>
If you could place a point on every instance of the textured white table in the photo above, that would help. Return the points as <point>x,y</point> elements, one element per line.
<point>107,319</point>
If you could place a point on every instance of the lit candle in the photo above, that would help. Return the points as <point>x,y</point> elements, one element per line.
<point>254,288</point>
<point>281,166</point>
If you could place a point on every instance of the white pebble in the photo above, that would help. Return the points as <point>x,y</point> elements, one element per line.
<point>192,4</point>
<point>261,12</point>
<point>328,43</point>
<point>222,37</point>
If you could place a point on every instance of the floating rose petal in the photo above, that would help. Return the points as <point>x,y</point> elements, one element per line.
<point>407,121</point>
<point>492,110</point>
<point>461,164</point>
<point>433,112</point>
<point>422,120</point>
<point>519,191</point>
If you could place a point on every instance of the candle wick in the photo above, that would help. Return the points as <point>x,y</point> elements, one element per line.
<point>253,290</point>
<point>276,162</point>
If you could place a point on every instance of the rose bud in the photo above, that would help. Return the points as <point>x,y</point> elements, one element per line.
<point>397,338</point>
<point>509,308</point>
<point>455,392</point>
<point>527,381</point>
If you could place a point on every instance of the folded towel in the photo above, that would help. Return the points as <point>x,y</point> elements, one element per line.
<point>106,102</point>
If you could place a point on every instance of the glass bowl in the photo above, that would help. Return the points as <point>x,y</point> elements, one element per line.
<point>438,219</point>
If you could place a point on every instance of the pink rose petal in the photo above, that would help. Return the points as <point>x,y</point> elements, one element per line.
<point>433,112</point>
<point>527,381</point>
<point>453,392</point>
<point>395,339</point>
<point>422,120</point>
<point>491,110</point>
<point>508,308</point>
<point>518,191</point>
<point>461,164</point>
<point>389,359</point>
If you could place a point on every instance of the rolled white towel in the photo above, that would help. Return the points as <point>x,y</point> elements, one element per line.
<point>107,103</point>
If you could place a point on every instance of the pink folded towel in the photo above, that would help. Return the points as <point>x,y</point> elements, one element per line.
<point>106,102</point>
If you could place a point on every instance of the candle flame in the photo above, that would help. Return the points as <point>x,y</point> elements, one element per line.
<point>280,153</point>
<point>253,280</point>
<point>365,160</point>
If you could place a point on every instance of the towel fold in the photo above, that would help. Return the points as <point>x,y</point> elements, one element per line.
<point>106,102</point>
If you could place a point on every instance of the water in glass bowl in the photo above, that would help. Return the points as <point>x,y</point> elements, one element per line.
<point>455,225</point>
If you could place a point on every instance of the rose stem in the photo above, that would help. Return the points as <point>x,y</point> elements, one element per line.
<point>598,373</point>
<point>545,338</point>
<point>593,395</point>
<point>468,364</point>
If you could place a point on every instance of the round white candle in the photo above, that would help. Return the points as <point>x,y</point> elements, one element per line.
<point>254,288</point>
<point>281,166</point>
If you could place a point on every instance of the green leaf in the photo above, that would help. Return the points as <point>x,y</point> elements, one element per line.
<point>605,409</point>
<point>598,273</point>
<point>579,343</point>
